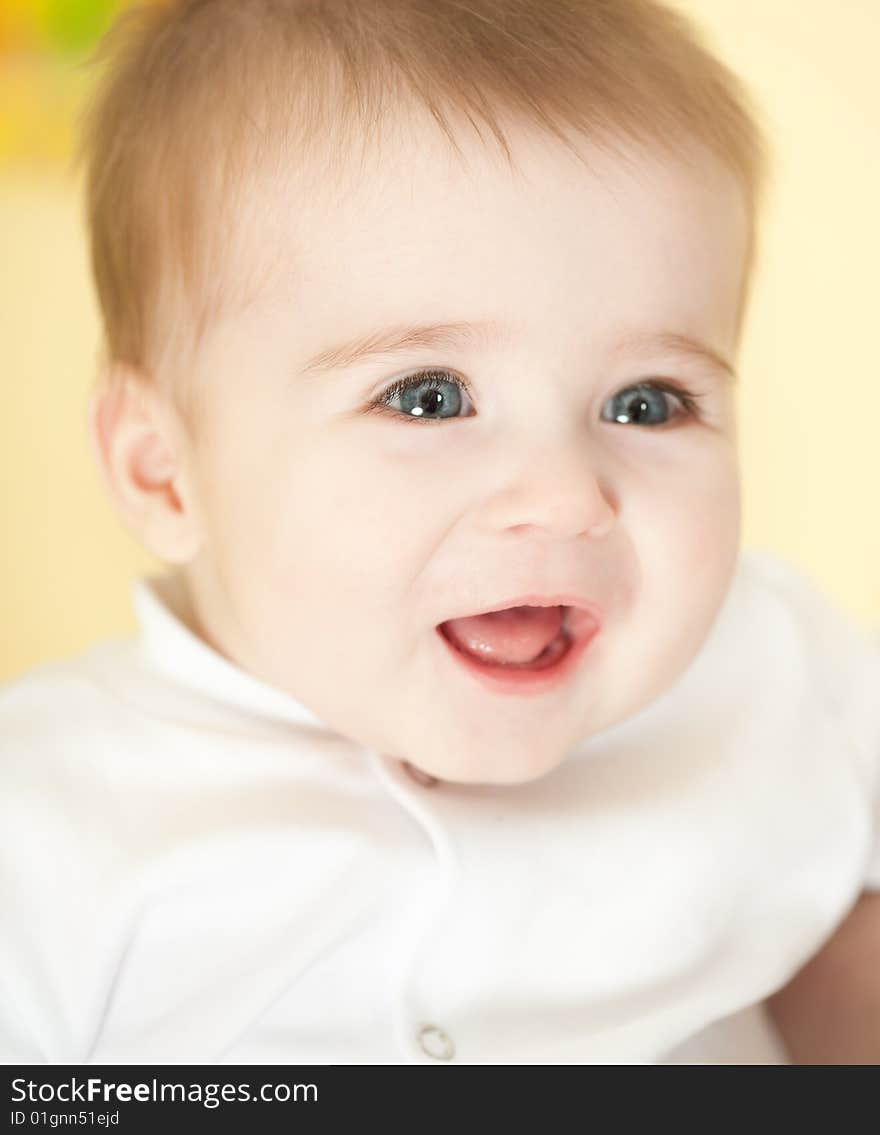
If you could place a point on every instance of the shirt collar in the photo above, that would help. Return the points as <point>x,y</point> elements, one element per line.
<point>172,648</point>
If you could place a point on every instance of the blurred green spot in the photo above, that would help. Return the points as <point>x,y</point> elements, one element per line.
<point>74,25</point>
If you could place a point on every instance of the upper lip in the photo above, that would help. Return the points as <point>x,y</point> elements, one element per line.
<point>559,599</point>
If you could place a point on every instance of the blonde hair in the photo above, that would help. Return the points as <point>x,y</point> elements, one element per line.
<point>196,96</point>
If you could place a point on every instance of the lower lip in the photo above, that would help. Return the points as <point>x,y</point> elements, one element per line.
<point>521,680</point>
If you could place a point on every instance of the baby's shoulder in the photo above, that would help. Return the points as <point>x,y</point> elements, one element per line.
<point>57,716</point>
<point>791,595</point>
<point>837,655</point>
<point>64,860</point>
<point>55,676</point>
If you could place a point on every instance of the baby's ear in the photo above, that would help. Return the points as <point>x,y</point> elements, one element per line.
<point>143,458</point>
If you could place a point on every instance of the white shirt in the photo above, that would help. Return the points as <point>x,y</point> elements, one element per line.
<point>195,869</point>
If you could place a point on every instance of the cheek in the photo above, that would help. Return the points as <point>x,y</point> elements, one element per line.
<point>684,525</point>
<point>711,520</point>
<point>683,543</point>
<point>348,516</point>
<point>701,552</point>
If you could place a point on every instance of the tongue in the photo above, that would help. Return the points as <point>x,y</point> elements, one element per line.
<point>517,634</point>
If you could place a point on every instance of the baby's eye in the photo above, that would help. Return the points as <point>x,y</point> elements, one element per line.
<point>647,403</point>
<point>436,395</point>
<point>430,395</point>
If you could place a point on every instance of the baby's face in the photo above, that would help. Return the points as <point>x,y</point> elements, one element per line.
<point>336,537</point>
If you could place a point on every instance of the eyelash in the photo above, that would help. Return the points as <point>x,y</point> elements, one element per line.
<point>688,398</point>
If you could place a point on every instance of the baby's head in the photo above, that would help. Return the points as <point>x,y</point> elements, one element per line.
<point>547,205</point>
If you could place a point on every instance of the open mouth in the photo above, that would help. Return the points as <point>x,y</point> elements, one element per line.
<point>519,647</point>
<point>513,638</point>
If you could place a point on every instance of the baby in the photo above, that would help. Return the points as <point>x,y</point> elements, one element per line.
<point>462,729</point>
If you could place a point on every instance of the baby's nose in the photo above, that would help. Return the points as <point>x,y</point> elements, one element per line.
<point>560,494</point>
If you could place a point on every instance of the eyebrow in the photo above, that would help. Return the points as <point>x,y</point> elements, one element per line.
<point>403,339</point>
<point>674,343</point>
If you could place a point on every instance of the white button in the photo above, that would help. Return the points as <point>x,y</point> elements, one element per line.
<point>418,776</point>
<point>435,1043</point>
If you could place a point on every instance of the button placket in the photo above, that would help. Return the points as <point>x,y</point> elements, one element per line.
<point>413,1035</point>
<point>435,1043</point>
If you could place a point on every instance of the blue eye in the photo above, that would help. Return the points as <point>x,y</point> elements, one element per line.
<point>647,404</point>
<point>424,395</point>
<point>436,395</point>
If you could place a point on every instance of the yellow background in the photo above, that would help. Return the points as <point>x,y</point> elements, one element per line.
<point>810,394</point>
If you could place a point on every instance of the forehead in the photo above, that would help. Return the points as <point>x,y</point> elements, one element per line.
<point>415,233</point>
